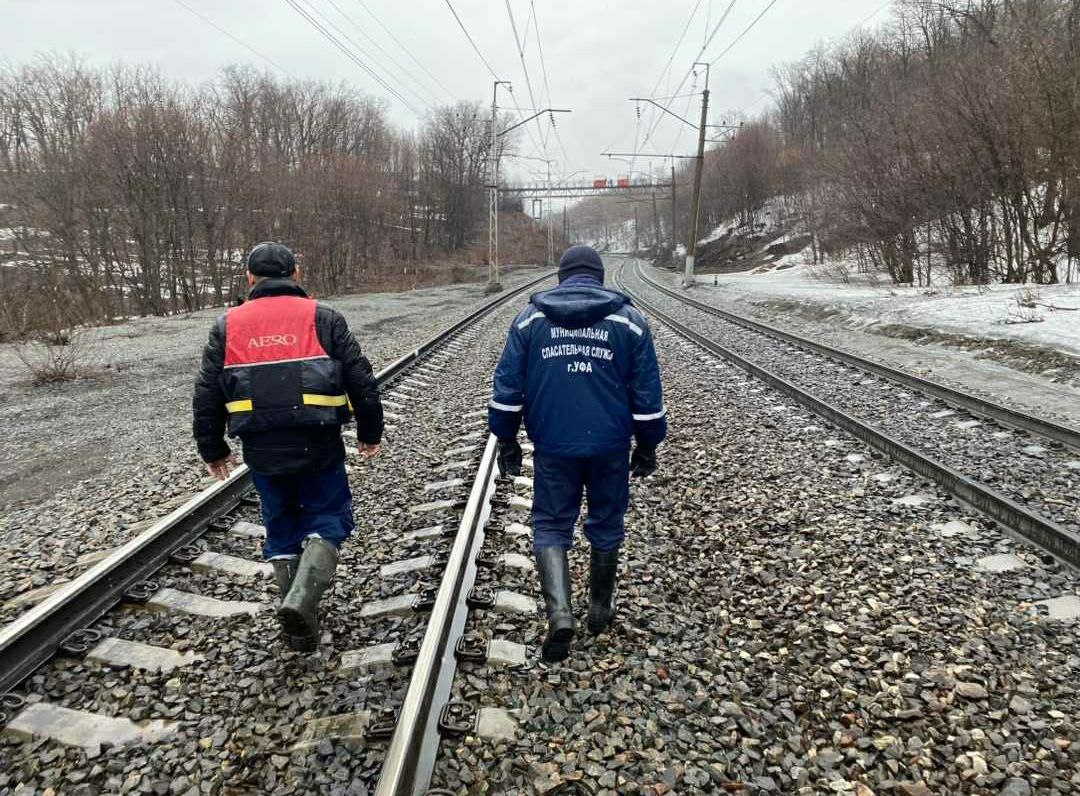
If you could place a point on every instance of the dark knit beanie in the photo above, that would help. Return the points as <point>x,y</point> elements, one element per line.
<point>581,261</point>
<point>271,259</point>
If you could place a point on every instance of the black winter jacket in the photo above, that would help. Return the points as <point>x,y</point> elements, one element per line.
<point>288,450</point>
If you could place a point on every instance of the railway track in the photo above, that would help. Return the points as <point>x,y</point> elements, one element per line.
<point>768,589</point>
<point>153,606</point>
<point>799,613</point>
<point>1015,468</point>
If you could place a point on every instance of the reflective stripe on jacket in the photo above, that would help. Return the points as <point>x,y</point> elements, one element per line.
<point>259,373</point>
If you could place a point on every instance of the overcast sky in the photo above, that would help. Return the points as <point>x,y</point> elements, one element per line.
<point>597,53</point>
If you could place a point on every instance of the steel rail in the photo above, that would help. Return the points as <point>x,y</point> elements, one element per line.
<point>33,638</point>
<point>410,758</point>
<point>1050,536</point>
<point>978,406</point>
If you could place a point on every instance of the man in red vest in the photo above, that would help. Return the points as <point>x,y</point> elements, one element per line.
<point>284,373</point>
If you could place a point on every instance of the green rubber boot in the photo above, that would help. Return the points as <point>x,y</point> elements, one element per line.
<point>284,574</point>
<point>299,611</point>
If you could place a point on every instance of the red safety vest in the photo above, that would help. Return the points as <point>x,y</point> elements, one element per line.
<point>272,329</point>
<point>277,374</point>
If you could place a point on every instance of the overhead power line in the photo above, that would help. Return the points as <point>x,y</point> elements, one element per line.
<point>708,40</point>
<point>670,61</point>
<point>351,55</point>
<point>406,50</point>
<point>547,86</point>
<point>224,32</point>
<point>748,28</point>
<point>470,38</point>
<point>432,95</point>
<point>675,49</point>
<point>386,73</point>
<point>525,69</point>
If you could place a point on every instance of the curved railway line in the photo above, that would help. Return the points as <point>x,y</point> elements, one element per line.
<point>432,624</point>
<point>973,462</point>
<point>211,537</point>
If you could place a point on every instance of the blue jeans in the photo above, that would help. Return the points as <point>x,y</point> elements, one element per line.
<point>300,505</point>
<point>558,485</point>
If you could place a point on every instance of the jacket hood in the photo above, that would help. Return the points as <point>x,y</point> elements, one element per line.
<point>578,302</point>
<point>276,287</point>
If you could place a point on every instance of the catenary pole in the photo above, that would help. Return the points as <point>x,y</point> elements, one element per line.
<point>674,215</point>
<point>695,207</point>
<point>550,220</point>
<point>655,227</point>
<point>493,190</point>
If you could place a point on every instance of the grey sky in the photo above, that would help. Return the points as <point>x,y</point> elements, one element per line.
<point>597,52</point>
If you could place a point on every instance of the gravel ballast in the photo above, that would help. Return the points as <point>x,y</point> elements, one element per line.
<point>1037,474</point>
<point>85,466</point>
<point>791,621</point>
<point>244,706</point>
<point>797,615</point>
<point>1026,377</point>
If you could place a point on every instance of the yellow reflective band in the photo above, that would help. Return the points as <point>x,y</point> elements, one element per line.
<point>238,406</point>
<point>312,399</point>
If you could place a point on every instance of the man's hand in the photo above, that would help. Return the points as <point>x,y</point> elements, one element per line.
<point>643,462</point>
<point>368,450</point>
<point>220,468</point>
<point>509,458</point>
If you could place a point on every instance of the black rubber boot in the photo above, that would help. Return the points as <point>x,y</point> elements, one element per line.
<point>299,611</point>
<point>603,585</point>
<point>554,569</point>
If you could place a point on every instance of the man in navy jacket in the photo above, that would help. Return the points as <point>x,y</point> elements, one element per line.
<point>580,367</point>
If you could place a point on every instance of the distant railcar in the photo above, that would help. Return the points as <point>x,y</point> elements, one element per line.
<point>624,182</point>
<point>600,183</point>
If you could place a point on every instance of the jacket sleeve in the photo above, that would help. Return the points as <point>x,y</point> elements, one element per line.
<point>208,404</point>
<point>646,393</point>
<point>508,396</point>
<point>360,384</point>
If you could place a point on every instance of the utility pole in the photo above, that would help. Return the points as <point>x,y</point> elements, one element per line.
<point>674,216</point>
<point>550,231</point>
<point>493,191</point>
<point>695,208</point>
<point>493,202</point>
<point>655,227</point>
<point>637,244</point>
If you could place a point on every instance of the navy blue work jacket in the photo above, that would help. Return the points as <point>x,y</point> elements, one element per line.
<point>579,365</point>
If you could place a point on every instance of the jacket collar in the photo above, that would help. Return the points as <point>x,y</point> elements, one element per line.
<point>276,287</point>
<point>581,279</point>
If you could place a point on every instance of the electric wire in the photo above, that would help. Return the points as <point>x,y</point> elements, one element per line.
<point>405,49</point>
<point>224,32</point>
<point>670,61</point>
<point>667,66</point>
<point>401,69</point>
<point>525,69</point>
<point>546,96</point>
<point>470,38</point>
<point>326,34</point>
<point>748,28</point>
<point>362,53</point>
<point>708,41</point>
<point>547,87</point>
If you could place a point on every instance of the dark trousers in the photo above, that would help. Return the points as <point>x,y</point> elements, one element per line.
<point>558,485</point>
<point>300,505</point>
